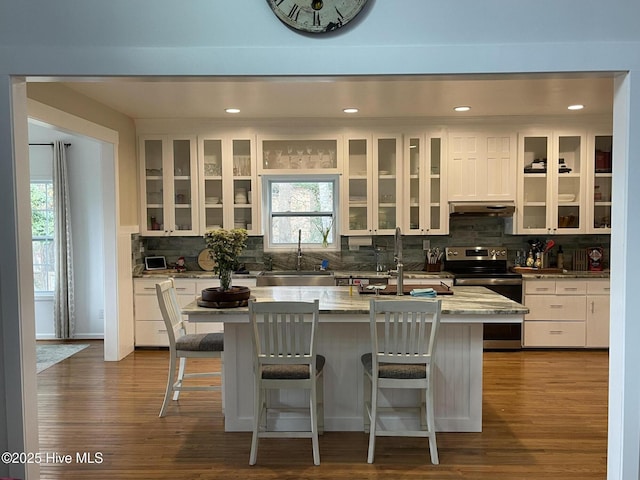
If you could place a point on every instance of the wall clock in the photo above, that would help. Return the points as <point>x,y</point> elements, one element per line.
<point>316,16</point>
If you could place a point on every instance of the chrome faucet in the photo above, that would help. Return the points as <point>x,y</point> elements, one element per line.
<point>397,258</point>
<point>299,259</point>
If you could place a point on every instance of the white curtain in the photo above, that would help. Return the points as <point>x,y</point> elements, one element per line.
<point>63,302</point>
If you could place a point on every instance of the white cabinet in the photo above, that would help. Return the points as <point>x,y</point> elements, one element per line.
<point>552,171</point>
<point>481,166</point>
<point>300,154</point>
<point>598,302</point>
<point>599,183</point>
<point>150,330</point>
<point>424,201</point>
<point>229,193</point>
<point>372,184</point>
<point>569,313</point>
<point>169,185</point>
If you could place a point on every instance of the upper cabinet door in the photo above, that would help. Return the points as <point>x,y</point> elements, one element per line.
<point>569,172</point>
<point>169,185</point>
<point>599,185</point>
<point>482,166</point>
<point>299,154</point>
<point>228,184</point>
<point>552,183</point>
<point>423,195</point>
<point>357,187</point>
<point>387,172</point>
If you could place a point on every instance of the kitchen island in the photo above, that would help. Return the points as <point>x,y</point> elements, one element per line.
<point>343,337</point>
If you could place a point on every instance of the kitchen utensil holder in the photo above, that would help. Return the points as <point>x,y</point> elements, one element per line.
<point>433,267</point>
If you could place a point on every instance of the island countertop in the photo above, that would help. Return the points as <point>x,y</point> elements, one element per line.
<point>467,301</point>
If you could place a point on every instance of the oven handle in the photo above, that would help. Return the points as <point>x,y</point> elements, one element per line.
<point>482,282</point>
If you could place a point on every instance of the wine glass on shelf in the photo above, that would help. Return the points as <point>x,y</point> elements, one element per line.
<point>266,158</point>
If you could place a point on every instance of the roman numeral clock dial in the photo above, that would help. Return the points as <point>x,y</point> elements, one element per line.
<point>316,16</point>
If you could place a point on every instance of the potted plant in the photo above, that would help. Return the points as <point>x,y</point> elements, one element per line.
<point>225,246</point>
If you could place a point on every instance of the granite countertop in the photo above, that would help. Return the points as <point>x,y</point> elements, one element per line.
<point>337,274</point>
<point>407,274</point>
<point>472,301</point>
<point>568,274</point>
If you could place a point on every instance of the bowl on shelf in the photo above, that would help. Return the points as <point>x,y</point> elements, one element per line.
<point>213,200</point>
<point>566,197</point>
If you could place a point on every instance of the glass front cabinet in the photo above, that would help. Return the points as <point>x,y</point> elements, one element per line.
<point>552,193</point>
<point>372,184</point>
<point>423,196</point>
<point>169,185</point>
<point>600,176</point>
<point>228,184</point>
<point>358,187</point>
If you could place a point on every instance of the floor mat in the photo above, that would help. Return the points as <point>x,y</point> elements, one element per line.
<point>49,355</point>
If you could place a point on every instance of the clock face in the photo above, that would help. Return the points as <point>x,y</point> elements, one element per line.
<point>316,16</point>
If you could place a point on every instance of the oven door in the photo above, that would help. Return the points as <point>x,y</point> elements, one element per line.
<point>500,336</point>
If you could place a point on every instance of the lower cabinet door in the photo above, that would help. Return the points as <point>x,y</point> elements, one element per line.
<point>152,333</point>
<point>554,334</point>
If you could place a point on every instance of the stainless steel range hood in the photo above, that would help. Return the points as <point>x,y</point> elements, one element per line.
<point>482,209</point>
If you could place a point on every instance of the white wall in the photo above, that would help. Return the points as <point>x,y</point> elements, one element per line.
<point>157,37</point>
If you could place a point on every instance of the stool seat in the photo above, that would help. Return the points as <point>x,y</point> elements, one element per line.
<point>203,342</point>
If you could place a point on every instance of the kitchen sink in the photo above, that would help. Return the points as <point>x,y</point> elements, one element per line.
<point>295,278</point>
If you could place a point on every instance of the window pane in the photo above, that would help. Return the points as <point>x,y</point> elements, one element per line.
<point>301,197</point>
<point>284,230</point>
<point>42,230</point>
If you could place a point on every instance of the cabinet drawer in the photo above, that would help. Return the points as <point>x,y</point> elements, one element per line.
<point>154,333</point>
<point>598,287</point>
<point>571,287</point>
<point>540,287</point>
<point>554,334</point>
<point>151,334</point>
<point>148,286</point>
<point>552,307</point>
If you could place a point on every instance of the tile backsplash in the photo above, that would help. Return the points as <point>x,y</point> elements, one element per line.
<point>463,231</point>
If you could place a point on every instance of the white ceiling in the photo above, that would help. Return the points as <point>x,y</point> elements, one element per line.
<point>376,97</point>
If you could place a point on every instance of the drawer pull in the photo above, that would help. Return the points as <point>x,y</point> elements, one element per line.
<point>162,331</point>
<point>150,288</point>
<point>570,289</point>
<point>542,289</point>
<point>556,332</point>
<point>555,306</point>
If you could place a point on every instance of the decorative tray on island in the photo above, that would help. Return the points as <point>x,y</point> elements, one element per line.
<point>441,289</point>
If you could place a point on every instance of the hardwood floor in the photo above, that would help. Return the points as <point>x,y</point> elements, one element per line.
<point>545,416</point>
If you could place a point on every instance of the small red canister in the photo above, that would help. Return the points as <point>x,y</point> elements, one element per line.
<point>595,256</point>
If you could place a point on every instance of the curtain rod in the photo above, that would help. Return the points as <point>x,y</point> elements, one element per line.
<point>50,144</point>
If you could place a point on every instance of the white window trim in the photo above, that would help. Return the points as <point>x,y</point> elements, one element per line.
<point>266,209</point>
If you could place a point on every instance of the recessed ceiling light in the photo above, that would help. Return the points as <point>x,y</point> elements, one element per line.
<point>232,110</point>
<point>575,107</point>
<point>462,108</point>
<point>350,110</point>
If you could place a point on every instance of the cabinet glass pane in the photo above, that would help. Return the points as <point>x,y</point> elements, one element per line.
<point>299,154</point>
<point>386,184</point>
<point>602,182</point>
<point>358,188</point>
<point>242,185</point>
<point>182,177</point>
<point>213,200</point>
<point>435,182</point>
<point>415,194</point>
<point>535,194</point>
<point>569,182</point>
<point>154,184</point>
